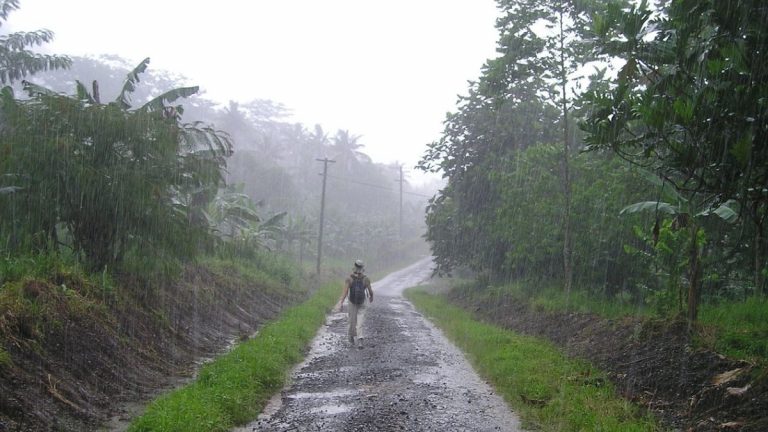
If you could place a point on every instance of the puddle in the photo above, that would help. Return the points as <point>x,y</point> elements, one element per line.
<point>322,395</point>
<point>323,373</point>
<point>331,409</point>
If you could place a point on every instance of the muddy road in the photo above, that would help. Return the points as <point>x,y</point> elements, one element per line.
<point>405,375</point>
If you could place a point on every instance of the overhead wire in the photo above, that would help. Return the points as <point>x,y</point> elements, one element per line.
<point>375,186</point>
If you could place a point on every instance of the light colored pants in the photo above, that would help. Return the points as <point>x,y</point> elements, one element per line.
<point>355,329</point>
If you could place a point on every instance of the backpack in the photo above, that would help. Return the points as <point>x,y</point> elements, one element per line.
<point>357,290</point>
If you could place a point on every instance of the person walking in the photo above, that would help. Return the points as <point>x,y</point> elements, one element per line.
<point>357,287</point>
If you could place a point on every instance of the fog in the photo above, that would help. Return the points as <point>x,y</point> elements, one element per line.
<point>388,72</point>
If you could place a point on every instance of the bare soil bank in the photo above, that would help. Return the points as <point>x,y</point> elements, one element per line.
<point>651,363</point>
<point>76,369</point>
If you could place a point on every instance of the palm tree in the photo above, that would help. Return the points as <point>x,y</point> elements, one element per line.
<point>346,151</point>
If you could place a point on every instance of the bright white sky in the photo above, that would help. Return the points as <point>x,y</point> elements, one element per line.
<point>386,70</point>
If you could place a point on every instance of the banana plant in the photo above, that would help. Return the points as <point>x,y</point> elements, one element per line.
<point>119,179</point>
<point>234,216</point>
<point>262,234</point>
<point>232,212</point>
<point>686,213</point>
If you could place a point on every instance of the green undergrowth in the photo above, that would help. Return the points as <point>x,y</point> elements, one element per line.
<point>549,391</point>
<point>271,272</point>
<point>5,358</point>
<point>234,388</point>
<point>56,268</point>
<point>737,329</point>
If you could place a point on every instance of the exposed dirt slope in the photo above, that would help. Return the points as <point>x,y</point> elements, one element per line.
<point>73,371</point>
<point>651,363</point>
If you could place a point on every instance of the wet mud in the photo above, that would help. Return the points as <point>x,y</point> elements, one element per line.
<point>404,375</point>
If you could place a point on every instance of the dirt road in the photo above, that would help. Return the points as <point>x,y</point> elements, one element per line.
<point>405,376</point>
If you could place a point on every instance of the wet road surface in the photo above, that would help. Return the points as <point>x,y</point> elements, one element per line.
<point>404,376</point>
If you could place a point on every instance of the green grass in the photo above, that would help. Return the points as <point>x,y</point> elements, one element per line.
<point>270,272</point>
<point>234,388</point>
<point>568,395</point>
<point>38,293</point>
<point>737,329</point>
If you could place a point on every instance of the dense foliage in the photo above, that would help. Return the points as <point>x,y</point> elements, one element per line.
<point>108,182</point>
<point>105,179</point>
<point>669,181</point>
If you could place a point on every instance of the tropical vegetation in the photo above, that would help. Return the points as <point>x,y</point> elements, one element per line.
<point>658,196</point>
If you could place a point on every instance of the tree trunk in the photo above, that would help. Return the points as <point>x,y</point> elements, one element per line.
<point>567,241</point>
<point>759,260</point>
<point>695,276</point>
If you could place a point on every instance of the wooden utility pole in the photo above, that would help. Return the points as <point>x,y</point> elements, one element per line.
<point>401,202</point>
<point>325,162</point>
<point>400,180</point>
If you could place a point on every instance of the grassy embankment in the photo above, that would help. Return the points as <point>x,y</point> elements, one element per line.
<point>41,292</point>
<point>548,390</point>
<point>234,388</point>
<point>737,329</point>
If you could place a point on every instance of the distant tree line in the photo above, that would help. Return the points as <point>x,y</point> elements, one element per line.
<point>646,179</point>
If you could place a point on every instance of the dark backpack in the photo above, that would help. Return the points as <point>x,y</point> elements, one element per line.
<point>357,290</point>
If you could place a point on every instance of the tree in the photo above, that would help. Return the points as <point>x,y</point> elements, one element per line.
<point>689,101</point>
<point>524,97</point>
<point>562,53</point>
<point>16,60</point>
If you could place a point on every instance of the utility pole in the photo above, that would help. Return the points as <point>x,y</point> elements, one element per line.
<point>400,167</point>
<point>325,162</point>
<point>401,202</point>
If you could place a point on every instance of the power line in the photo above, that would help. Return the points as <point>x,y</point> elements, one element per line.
<point>375,186</point>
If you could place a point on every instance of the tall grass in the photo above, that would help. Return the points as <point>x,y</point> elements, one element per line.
<point>549,391</point>
<point>549,296</point>
<point>234,388</point>
<point>269,271</point>
<point>737,329</point>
